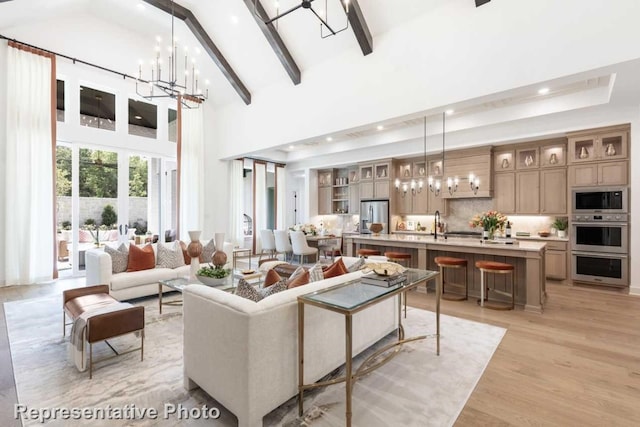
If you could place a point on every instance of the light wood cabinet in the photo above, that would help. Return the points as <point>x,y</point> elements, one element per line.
<point>528,192</point>
<point>504,161</point>
<point>527,158</point>
<point>553,191</point>
<point>366,190</point>
<point>354,198</point>
<point>420,202</point>
<point>404,202</point>
<point>382,189</point>
<point>556,261</point>
<point>604,173</point>
<point>366,173</point>
<point>325,178</point>
<point>598,145</point>
<point>504,192</point>
<point>324,200</point>
<point>553,156</point>
<point>436,204</point>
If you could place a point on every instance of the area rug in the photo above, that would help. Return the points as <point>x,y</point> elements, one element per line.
<point>417,388</point>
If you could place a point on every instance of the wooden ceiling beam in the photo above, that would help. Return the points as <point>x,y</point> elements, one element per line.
<point>359,26</point>
<point>209,46</point>
<point>274,40</point>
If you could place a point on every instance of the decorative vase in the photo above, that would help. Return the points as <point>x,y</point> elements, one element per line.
<point>584,153</point>
<point>194,249</point>
<point>492,232</point>
<point>528,161</point>
<point>562,233</point>
<point>553,159</point>
<point>505,163</point>
<point>219,257</point>
<point>610,151</point>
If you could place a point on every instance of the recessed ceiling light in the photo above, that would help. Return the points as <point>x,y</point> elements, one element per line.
<point>543,91</point>
<point>329,139</point>
<point>449,112</point>
<point>140,6</point>
<point>380,127</point>
<point>291,147</point>
<point>234,19</point>
<point>138,117</point>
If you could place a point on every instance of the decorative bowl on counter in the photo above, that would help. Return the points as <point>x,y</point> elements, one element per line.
<point>375,228</point>
<point>544,233</point>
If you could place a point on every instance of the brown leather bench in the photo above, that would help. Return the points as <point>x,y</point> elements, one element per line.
<point>105,325</point>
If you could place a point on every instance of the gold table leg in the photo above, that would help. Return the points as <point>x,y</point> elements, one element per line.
<point>348,350</point>
<point>160,297</point>
<point>300,357</point>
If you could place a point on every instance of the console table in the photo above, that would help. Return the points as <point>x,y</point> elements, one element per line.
<point>348,299</point>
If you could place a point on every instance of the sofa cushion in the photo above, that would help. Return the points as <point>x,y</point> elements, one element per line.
<point>141,258</point>
<point>207,251</point>
<point>299,280</point>
<point>119,258</point>
<point>170,256</point>
<point>316,273</point>
<point>142,277</point>
<point>248,291</point>
<point>336,269</point>
<point>183,271</point>
<point>272,277</point>
<point>356,265</point>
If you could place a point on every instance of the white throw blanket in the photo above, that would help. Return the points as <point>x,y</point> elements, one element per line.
<point>77,338</point>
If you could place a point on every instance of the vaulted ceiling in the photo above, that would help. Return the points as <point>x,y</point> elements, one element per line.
<point>260,60</point>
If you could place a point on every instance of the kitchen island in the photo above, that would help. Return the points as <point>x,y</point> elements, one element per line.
<point>528,258</point>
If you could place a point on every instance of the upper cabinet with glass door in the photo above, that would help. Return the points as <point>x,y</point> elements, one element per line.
<point>599,145</point>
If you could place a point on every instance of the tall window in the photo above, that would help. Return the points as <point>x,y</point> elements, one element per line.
<point>173,125</point>
<point>97,109</point>
<point>60,100</point>
<point>143,119</point>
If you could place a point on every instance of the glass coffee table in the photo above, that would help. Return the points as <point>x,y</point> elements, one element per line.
<point>348,299</point>
<point>229,285</point>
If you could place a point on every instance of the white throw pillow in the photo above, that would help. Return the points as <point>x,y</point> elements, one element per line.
<point>315,273</point>
<point>119,258</point>
<point>170,256</point>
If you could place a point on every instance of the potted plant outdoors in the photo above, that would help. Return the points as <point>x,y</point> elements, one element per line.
<point>212,275</point>
<point>561,224</point>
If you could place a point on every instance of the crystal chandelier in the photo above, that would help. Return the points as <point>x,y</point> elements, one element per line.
<point>169,80</point>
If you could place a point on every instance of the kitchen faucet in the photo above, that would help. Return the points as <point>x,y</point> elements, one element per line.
<point>436,219</point>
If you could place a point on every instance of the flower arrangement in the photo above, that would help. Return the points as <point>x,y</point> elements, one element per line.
<point>308,229</point>
<point>490,220</point>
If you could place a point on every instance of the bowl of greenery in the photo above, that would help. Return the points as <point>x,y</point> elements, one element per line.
<point>213,276</point>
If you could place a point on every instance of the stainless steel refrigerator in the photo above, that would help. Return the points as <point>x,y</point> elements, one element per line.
<point>374,211</point>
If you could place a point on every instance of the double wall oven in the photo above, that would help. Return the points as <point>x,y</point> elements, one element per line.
<point>600,236</point>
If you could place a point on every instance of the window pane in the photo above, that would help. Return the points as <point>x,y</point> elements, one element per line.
<point>173,125</point>
<point>143,119</point>
<point>97,109</point>
<point>60,100</point>
<point>63,206</point>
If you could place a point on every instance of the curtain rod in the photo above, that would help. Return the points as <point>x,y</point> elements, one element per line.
<point>74,60</point>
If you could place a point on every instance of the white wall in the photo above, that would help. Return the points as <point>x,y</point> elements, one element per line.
<point>3,157</point>
<point>453,54</point>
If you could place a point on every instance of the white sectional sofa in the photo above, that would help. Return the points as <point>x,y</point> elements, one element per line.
<point>244,354</point>
<point>135,284</point>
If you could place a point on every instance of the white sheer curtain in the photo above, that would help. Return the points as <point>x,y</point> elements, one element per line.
<point>236,203</point>
<point>29,170</point>
<point>281,198</point>
<point>192,179</point>
<point>260,202</point>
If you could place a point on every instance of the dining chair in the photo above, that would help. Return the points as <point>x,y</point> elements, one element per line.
<point>283,245</point>
<point>331,247</point>
<point>301,247</point>
<point>268,243</point>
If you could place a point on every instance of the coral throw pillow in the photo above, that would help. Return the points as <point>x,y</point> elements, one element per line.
<point>141,258</point>
<point>271,278</point>
<point>336,269</point>
<point>300,280</point>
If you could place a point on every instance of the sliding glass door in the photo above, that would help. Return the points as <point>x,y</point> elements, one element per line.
<point>107,197</point>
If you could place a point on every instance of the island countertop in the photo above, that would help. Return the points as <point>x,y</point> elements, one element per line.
<point>527,257</point>
<point>471,242</point>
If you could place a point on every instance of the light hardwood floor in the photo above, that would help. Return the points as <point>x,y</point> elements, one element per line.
<point>578,364</point>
